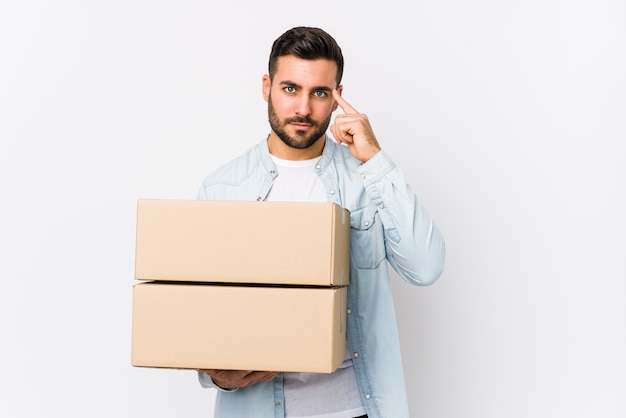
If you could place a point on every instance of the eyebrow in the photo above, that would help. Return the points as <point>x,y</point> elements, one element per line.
<point>292,84</point>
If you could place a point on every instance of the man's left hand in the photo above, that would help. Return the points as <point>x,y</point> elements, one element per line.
<point>353,129</point>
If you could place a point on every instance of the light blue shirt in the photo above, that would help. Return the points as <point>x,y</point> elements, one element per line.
<point>388,226</point>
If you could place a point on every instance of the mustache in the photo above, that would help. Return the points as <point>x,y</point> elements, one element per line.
<point>304,119</point>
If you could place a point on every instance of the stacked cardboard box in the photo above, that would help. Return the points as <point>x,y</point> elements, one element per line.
<point>240,285</point>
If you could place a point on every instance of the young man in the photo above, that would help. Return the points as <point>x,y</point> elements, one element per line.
<point>299,161</point>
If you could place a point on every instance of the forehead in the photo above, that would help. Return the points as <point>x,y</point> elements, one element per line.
<point>319,72</point>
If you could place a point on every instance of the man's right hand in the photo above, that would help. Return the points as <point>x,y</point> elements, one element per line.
<point>231,379</point>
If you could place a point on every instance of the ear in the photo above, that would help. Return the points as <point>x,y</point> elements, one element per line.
<point>267,84</point>
<point>339,90</point>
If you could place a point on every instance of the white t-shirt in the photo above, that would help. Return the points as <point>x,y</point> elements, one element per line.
<point>314,395</point>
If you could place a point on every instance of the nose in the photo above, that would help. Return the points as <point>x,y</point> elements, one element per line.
<point>303,105</point>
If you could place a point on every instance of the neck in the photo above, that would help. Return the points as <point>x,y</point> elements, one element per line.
<point>281,150</point>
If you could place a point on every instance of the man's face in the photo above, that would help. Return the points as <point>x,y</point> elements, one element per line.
<point>300,103</point>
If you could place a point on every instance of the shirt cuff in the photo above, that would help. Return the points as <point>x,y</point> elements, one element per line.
<point>207,383</point>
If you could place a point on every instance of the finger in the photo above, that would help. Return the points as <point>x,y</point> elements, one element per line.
<point>334,132</point>
<point>266,375</point>
<point>338,134</point>
<point>210,371</point>
<point>254,377</point>
<point>345,106</point>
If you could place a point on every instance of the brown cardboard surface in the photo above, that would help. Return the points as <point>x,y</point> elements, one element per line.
<point>243,241</point>
<point>234,327</point>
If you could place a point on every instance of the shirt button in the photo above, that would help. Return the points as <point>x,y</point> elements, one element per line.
<point>381,206</point>
<point>367,223</point>
<point>318,166</point>
<point>356,355</point>
<point>273,171</point>
<point>331,191</point>
<point>363,176</point>
<point>277,404</point>
<point>368,396</point>
<point>258,199</point>
<point>349,311</point>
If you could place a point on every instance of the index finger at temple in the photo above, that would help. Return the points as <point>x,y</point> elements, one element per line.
<point>347,108</point>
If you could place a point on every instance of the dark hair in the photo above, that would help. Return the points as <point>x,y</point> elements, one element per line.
<point>306,43</point>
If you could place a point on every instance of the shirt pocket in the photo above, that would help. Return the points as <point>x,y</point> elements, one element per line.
<point>367,244</point>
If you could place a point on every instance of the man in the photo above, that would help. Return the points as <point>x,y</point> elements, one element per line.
<point>299,161</point>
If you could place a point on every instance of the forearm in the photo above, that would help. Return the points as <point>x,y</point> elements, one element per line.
<point>414,244</point>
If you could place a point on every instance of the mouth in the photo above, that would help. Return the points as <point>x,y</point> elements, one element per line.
<point>300,126</point>
<point>300,123</point>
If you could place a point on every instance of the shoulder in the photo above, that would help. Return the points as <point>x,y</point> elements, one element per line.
<point>233,172</point>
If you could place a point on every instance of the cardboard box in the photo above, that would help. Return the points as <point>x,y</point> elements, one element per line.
<point>243,242</point>
<point>236,327</point>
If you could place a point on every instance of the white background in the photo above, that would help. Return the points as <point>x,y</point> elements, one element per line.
<point>508,118</point>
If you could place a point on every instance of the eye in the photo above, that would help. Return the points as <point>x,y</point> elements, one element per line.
<point>290,89</point>
<point>320,93</point>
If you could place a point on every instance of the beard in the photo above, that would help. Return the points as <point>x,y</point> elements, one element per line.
<point>300,140</point>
